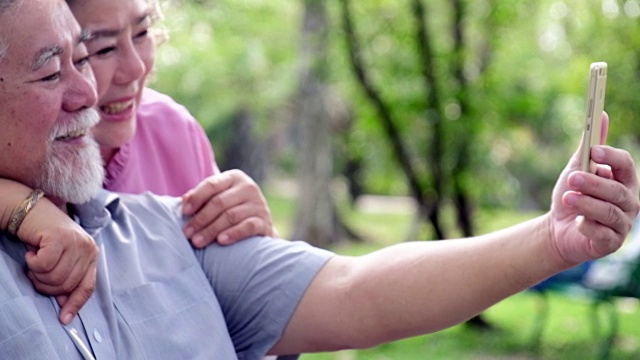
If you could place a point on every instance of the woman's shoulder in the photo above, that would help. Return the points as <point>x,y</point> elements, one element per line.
<point>155,105</point>
<point>167,127</point>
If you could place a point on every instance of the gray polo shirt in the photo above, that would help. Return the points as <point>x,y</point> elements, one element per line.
<point>156,296</point>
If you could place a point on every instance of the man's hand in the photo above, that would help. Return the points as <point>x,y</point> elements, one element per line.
<point>62,257</point>
<point>606,201</point>
<point>227,207</point>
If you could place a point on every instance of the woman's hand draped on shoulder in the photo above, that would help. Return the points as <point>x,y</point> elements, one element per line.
<point>226,207</point>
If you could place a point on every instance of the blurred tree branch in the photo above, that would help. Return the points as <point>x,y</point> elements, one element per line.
<point>418,190</point>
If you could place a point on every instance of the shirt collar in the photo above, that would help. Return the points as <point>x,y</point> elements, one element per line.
<point>96,213</point>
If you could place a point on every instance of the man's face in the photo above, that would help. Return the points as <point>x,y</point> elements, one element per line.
<point>46,91</point>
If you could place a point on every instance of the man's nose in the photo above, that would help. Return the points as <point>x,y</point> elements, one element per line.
<point>81,91</point>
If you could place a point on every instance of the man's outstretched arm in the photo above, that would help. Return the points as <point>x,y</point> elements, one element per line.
<point>422,287</point>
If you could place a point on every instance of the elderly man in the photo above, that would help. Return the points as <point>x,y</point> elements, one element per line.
<point>157,297</point>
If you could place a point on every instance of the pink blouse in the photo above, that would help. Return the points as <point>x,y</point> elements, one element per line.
<point>168,155</point>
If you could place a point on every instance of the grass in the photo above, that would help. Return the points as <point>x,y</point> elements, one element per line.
<point>568,332</point>
<point>567,335</point>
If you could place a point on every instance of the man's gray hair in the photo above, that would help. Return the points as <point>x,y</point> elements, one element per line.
<point>4,5</point>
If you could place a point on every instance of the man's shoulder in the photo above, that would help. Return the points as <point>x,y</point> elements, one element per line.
<point>258,256</point>
<point>147,220</point>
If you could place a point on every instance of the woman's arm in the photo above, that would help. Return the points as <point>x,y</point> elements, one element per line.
<point>61,256</point>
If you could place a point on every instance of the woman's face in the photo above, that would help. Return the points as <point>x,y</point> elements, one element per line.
<point>121,51</point>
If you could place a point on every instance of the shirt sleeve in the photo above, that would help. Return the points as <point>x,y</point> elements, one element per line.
<point>259,283</point>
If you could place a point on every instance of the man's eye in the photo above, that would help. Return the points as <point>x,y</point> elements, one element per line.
<point>82,62</point>
<point>53,77</point>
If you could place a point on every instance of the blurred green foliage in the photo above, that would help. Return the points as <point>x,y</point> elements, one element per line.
<point>527,65</point>
<point>568,335</point>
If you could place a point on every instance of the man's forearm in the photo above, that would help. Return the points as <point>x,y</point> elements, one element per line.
<point>417,288</point>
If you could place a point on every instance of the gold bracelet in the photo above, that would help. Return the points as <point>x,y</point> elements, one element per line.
<point>27,204</point>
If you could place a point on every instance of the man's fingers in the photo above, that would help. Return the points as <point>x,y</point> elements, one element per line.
<point>605,128</point>
<point>620,162</point>
<point>604,201</point>
<point>616,182</point>
<point>603,239</point>
<point>607,190</point>
<point>600,212</point>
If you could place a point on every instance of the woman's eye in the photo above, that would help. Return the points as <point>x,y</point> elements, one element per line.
<point>142,34</point>
<point>105,51</point>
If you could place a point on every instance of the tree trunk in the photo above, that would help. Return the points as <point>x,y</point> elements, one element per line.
<point>316,219</point>
<point>245,151</point>
<point>434,116</point>
<point>461,197</point>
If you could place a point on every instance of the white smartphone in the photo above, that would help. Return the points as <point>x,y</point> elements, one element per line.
<point>595,107</point>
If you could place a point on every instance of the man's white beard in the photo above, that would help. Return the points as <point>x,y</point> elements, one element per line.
<point>74,176</point>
